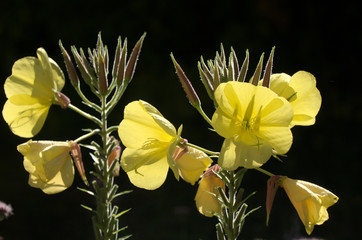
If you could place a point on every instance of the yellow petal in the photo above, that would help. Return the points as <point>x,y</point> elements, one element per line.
<point>150,175</point>
<point>192,164</point>
<point>35,77</point>
<point>25,120</point>
<point>49,165</point>
<point>206,202</point>
<point>143,123</point>
<point>311,201</point>
<point>236,154</point>
<point>308,98</point>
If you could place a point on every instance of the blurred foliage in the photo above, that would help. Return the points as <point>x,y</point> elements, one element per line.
<point>321,37</point>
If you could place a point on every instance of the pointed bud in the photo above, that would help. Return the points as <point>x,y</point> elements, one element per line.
<point>102,75</point>
<point>190,92</point>
<point>206,78</point>
<point>87,77</point>
<point>272,187</point>
<point>268,69</point>
<point>77,158</point>
<point>244,68</point>
<point>132,62</point>
<point>62,99</point>
<point>256,77</point>
<point>72,73</point>
<point>122,64</point>
<point>114,156</point>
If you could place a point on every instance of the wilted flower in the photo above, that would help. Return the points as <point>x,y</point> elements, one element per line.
<point>150,141</point>
<point>311,201</point>
<point>30,92</point>
<point>49,164</point>
<point>301,91</point>
<point>254,122</point>
<point>207,194</point>
<point>191,163</point>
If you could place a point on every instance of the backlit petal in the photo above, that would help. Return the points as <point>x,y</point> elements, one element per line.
<point>143,123</point>
<point>25,120</point>
<point>150,175</point>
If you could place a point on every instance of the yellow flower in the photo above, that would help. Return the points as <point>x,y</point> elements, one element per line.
<point>311,201</point>
<point>207,193</point>
<point>191,163</point>
<point>49,164</point>
<point>150,141</point>
<point>254,122</point>
<point>301,91</point>
<point>30,93</point>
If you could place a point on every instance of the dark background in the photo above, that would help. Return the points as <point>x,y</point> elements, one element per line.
<point>322,37</point>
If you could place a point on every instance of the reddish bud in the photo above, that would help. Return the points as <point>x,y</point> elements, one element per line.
<point>62,99</point>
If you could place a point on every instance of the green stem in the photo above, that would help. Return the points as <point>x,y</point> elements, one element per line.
<point>265,172</point>
<point>85,136</point>
<point>203,114</point>
<point>203,149</point>
<point>84,114</point>
<point>85,99</point>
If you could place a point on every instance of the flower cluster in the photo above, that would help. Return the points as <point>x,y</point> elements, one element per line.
<point>255,118</point>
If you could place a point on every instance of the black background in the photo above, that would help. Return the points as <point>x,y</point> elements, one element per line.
<point>322,37</point>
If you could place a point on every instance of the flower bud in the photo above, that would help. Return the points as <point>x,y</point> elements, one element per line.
<point>77,158</point>
<point>190,92</point>
<point>62,99</point>
<point>102,75</point>
<point>132,62</point>
<point>72,73</point>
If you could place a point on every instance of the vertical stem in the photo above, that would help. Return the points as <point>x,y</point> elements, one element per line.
<point>231,210</point>
<point>106,222</point>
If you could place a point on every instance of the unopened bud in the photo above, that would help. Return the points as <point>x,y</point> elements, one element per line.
<point>72,73</point>
<point>190,92</point>
<point>62,99</point>
<point>102,75</point>
<point>132,62</point>
<point>77,158</point>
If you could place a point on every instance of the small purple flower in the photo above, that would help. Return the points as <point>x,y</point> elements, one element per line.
<point>5,211</point>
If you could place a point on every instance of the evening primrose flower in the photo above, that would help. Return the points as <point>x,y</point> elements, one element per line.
<point>150,142</point>
<point>311,201</point>
<point>206,197</point>
<point>191,163</point>
<point>254,121</point>
<point>49,164</point>
<point>30,92</point>
<point>301,91</point>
